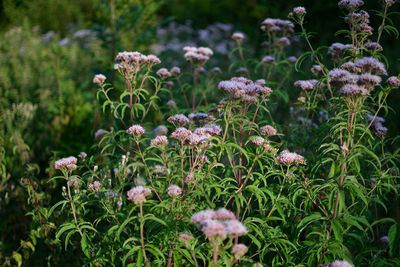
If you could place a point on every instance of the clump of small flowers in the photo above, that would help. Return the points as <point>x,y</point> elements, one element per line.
<point>239,250</point>
<point>393,81</point>
<point>178,120</point>
<point>160,141</point>
<point>307,85</point>
<point>160,169</point>
<point>240,88</point>
<point>238,36</point>
<point>290,158</point>
<point>377,124</point>
<point>197,56</point>
<point>95,186</point>
<point>339,263</point>
<point>189,178</point>
<point>161,130</point>
<point>175,71</point>
<point>132,62</point>
<point>268,130</point>
<point>174,191</point>
<point>350,5</point>
<point>268,59</point>
<point>181,134</point>
<point>82,155</point>
<point>66,164</point>
<point>135,130</point>
<point>292,59</point>
<point>99,79</point>
<point>163,73</point>
<point>138,194</point>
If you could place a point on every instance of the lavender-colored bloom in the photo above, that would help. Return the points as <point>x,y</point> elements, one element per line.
<point>82,155</point>
<point>138,194</point>
<point>336,49</point>
<point>235,228</point>
<point>181,134</point>
<point>216,70</point>
<point>159,141</point>
<point>68,164</point>
<point>292,59</point>
<point>370,79</point>
<point>290,158</point>
<point>95,186</point>
<point>268,59</point>
<point>174,191</point>
<point>213,229</point>
<point>161,130</point>
<point>99,79</point>
<point>223,214</point>
<point>342,76</point>
<point>189,178</point>
<point>99,134</point>
<point>178,120</point>
<point>339,263</point>
<point>119,203</point>
<point>350,5</point>
<point>163,73</point>
<point>370,64</point>
<point>135,130</point>
<point>393,81</point>
<point>203,216</point>
<point>268,130</point>
<point>153,60</point>
<point>238,36</point>
<point>185,237</point>
<point>307,85</point>
<point>175,71</point>
<point>353,90</point>
<point>299,11</point>
<point>374,46</point>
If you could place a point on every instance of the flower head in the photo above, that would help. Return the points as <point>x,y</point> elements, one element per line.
<point>203,215</point>
<point>213,229</point>
<point>237,36</point>
<point>290,158</point>
<point>268,130</point>
<point>178,120</point>
<point>235,228</point>
<point>99,79</point>
<point>68,164</point>
<point>160,141</point>
<point>136,130</point>
<point>239,250</point>
<point>138,194</point>
<point>174,191</point>
<point>223,214</point>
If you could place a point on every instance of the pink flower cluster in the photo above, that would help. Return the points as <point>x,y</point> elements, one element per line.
<point>393,81</point>
<point>339,263</point>
<point>67,164</point>
<point>201,117</point>
<point>174,191</point>
<point>159,141</point>
<point>242,89</point>
<point>307,85</point>
<point>138,194</point>
<point>337,49</point>
<point>219,223</point>
<point>290,158</point>
<point>277,26</point>
<point>197,56</point>
<point>268,130</point>
<point>163,73</point>
<point>175,71</point>
<point>237,36</point>
<point>181,134</point>
<point>99,79</point>
<point>95,186</point>
<point>178,120</point>
<point>136,130</point>
<point>350,5</point>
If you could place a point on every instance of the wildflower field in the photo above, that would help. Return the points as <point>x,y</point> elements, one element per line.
<point>199,133</point>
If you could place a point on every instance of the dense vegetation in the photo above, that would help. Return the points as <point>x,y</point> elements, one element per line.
<point>204,145</point>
